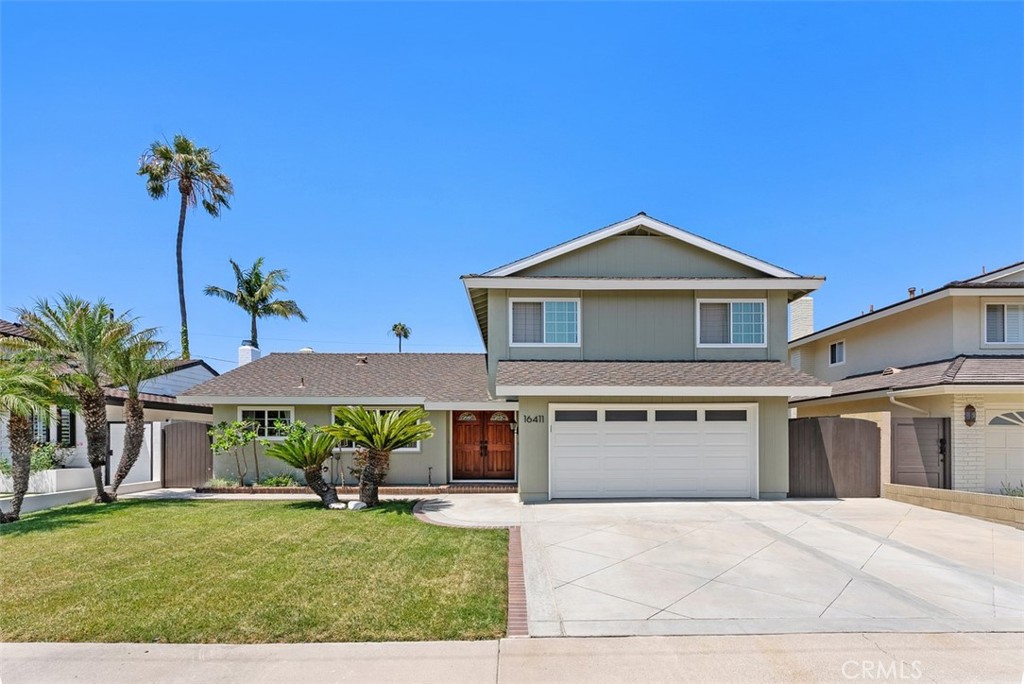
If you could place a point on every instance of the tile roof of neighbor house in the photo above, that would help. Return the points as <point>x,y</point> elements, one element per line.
<point>653,374</point>
<point>9,329</point>
<point>961,370</point>
<point>435,377</point>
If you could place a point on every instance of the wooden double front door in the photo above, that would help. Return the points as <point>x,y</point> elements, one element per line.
<point>483,445</point>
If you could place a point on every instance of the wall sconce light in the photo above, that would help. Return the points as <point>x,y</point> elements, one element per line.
<point>970,415</point>
<point>514,427</point>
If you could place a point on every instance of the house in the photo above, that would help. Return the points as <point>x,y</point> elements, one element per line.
<point>638,360</point>
<point>159,402</point>
<point>942,372</point>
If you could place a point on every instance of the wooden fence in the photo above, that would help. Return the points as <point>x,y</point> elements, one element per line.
<point>834,457</point>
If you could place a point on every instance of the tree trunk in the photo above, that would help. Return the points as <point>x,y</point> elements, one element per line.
<point>134,433</point>
<point>399,344</point>
<point>315,479</point>
<point>372,475</point>
<point>97,437</point>
<point>20,438</point>
<point>181,278</point>
<point>252,333</point>
<point>242,472</point>
<point>256,460</point>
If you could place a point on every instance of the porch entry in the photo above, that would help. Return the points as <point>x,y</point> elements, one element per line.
<point>920,447</point>
<point>483,445</point>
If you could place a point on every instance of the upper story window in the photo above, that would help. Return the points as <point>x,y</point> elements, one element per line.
<point>265,418</point>
<point>1004,323</point>
<point>725,323</point>
<point>837,353</point>
<point>554,322</point>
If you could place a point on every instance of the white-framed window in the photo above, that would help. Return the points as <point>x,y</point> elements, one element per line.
<point>40,427</point>
<point>548,322</point>
<point>837,353</point>
<point>349,446</point>
<point>1004,323</point>
<point>265,417</point>
<point>732,323</point>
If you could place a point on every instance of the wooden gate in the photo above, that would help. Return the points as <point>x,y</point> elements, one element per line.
<point>919,448</point>
<point>834,457</point>
<point>188,459</point>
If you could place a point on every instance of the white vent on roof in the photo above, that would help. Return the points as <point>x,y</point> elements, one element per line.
<point>361,360</point>
<point>892,371</point>
<point>306,350</point>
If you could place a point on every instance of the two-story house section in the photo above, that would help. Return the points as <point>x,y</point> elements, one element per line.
<point>646,362</point>
<point>942,372</point>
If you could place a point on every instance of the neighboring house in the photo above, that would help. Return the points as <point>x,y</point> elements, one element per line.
<point>639,360</point>
<point>942,372</point>
<point>158,396</point>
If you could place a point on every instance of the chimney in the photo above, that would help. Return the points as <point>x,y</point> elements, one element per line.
<point>911,291</point>
<point>247,353</point>
<point>801,317</point>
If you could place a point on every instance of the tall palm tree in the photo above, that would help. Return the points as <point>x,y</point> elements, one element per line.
<point>307,450</point>
<point>380,433</point>
<point>136,359</point>
<point>199,180</point>
<point>78,336</point>
<point>402,332</point>
<point>26,389</point>
<point>254,294</point>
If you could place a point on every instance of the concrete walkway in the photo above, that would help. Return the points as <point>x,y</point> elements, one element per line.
<point>616,568</point>
<point>781,658</point>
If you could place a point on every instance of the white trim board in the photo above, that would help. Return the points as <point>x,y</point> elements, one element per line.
<point>658,391</point>
<point>305,401</point>
<point>652,224</point>
<point>556,283</point>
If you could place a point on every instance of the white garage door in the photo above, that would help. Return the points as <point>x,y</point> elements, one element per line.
<point>1004,449</point>
<point>627,451</point>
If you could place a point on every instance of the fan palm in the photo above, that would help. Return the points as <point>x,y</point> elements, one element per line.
<point>254,294</point>
<point>380,433</point>
<point>307,450</point>
<point>402,332</point>
<point>25,390</point>
<point>136,359</point>
<point>199,180</point>
<point>78,336</point>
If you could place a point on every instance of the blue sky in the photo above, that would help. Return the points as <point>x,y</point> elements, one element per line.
<point>381,151</point>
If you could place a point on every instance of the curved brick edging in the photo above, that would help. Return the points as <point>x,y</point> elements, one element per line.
<point>516,625</point>
<point>352,490</point>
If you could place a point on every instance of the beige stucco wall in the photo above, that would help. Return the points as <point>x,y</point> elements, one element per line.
<point>407,468</point>
<point>773,439</point>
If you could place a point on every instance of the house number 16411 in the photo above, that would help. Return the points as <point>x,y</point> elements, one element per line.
<point>533,419</point>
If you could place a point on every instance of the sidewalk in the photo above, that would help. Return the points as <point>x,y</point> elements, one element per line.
<point>779,658</point>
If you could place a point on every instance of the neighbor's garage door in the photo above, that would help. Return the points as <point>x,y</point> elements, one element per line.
<point>625,451</point>
<point>1004,449</point>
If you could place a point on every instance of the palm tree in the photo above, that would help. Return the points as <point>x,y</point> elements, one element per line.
<point>307,450</point>
<point>199,180</point>
<point>79,337</point>
<point>380,433</point>
<point>136,359</point>
<point>402,332</point>
<point>26,389</point>
<point>254,294</point>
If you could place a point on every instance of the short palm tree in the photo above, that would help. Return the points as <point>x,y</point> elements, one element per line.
<point>254,293</point>
<point>199,180</point>
<point>307,450</point>
<point>380,433</point>
<point>78,337</point>
<point>26,389</point>
<point>402,332</point>
<point>136,359</point>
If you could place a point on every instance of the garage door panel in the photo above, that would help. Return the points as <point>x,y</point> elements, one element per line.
<point>656,457</point>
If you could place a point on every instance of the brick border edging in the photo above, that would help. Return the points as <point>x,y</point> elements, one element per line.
<point>516,624</point>
<point>352,490</point>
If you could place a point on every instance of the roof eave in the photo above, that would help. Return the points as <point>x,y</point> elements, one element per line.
<point>660,391</point>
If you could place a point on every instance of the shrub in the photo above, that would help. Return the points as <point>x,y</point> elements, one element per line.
<point>44,457</point>
<point>220,483</point>
<point>282,480</point>
<point>1009,490</point>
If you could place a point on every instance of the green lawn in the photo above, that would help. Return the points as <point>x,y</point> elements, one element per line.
<point>247,572</point>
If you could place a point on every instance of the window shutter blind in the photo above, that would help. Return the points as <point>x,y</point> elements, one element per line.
<point>1015,323</point>
<point>714,323</point>
<point>65,428</point>
<point>527,322</point>
<point>995,330</point>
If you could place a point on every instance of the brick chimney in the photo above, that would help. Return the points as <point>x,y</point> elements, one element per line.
<point>801,317</point>
<point>247,353</point>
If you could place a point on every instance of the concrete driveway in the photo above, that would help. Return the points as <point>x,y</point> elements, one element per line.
<point>746,567</point>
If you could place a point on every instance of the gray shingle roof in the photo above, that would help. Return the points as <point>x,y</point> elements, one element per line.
<point>653,374</point>
<point>435,377</point>
<point>961,370</point>
<point>9,329</point>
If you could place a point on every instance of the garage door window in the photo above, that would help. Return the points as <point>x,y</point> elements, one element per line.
<point>684,416</point>
<point>1010,418</point>
<point>628,416</point>
<point>725,416</point>
<point>576,416</point>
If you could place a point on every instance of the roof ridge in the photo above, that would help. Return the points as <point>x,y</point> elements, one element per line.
<point>950,373</point>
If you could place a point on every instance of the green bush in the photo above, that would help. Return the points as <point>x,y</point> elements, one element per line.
<point>44,457</point>
<point>1010,490</point>
<point>282,480</point>
<point>220,483</point>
